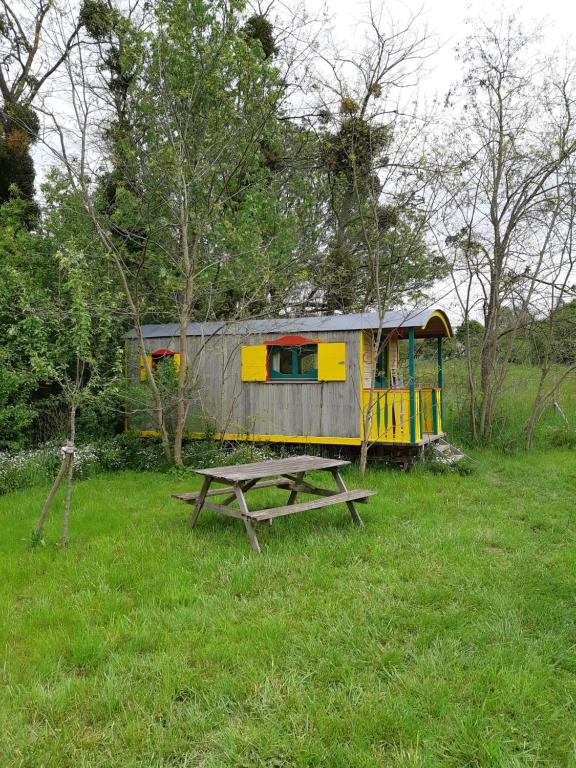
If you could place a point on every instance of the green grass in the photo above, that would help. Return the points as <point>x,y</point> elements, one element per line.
<point>442,634</point>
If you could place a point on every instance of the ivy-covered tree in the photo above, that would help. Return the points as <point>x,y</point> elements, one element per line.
<point>35,42</point>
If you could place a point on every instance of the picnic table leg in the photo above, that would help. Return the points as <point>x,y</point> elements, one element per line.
<point>250,532</point>
<point>293,494</point>
<point>200,501</point>
<point>350,504</point>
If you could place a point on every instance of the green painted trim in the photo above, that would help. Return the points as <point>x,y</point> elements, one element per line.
<point>440,376</point>
<point>440,368</point>
<point>435,411</point>
<point>381,376</point>
<point>294,375</point>
<point>412,378</point>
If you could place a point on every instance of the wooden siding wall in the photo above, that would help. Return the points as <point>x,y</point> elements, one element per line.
<point>306,409</point>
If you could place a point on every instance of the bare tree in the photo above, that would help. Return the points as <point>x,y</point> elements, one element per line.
<point>36,37</point>
<point>376,210</point>
<point>508,155</point>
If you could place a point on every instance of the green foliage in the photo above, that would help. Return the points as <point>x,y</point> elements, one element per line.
<point>17,171</point>
<point>22,118</point>
<point>97,18</point>
<point>18,130</point>
<point>202,112</point>
<point>28,468</point>
<point>518,395</point>
<point>127,451</point>
<point>259,28</point>
<point>350,152</point>
<point>25,273</point>
<point>57,309</point>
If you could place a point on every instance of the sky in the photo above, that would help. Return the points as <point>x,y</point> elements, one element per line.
<point>446,22</point>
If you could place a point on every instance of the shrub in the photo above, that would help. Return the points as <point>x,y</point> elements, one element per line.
<point>39,466</point>
<point>34,467</point>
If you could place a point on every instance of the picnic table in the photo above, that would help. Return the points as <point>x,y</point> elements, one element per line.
<point>287,474</point>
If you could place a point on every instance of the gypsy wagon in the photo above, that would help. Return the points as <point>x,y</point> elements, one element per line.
<point>304,380</point>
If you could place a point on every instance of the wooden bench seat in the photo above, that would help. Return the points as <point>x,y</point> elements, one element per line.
<point>191,497</point>
<point>291,509</point>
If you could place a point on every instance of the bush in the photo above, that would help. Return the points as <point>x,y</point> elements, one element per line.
<point>39,466</point>
<point>562,437</point>
<point>25,469</point>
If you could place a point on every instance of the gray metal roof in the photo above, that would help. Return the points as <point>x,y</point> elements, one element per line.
<point>395,319</point>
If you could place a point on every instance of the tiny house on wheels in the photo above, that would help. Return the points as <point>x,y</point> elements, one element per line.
<point>305,380</point>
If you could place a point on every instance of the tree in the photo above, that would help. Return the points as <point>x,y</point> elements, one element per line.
<point>507,165</point>
<point>375,216</point>
<point>35,40</point>
<point>191,198</point>
<point>66,339</point>
<point>24,271</point>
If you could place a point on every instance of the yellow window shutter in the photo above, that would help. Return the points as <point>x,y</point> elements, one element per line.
<point>332,361</point>
<point>143,366</point>
<point>254,363</point>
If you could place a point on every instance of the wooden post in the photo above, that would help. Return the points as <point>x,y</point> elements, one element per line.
<point>412,385</point>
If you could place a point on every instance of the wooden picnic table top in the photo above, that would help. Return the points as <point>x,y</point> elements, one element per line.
<point>238,472</point>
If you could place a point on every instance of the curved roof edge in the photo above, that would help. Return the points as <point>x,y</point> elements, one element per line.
<point>426,322</point>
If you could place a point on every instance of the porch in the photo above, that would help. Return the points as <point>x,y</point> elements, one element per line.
<point>399,419</point>
<point>398,414</point>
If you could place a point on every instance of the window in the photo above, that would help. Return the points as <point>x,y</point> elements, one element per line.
<point>293,358</point>
<point>158,357</point>
<point>294,362</point>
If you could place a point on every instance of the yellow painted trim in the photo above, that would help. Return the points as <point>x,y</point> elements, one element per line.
<point>439,314</point>
<point>332,361</point>
<point>311,440</point>
<point>360,399</point>
<point>143,371</point>
<point>267,438</point>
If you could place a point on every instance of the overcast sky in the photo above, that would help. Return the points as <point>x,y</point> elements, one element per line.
<point>446,21</point>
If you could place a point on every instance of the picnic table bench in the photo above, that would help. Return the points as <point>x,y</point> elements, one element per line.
<point>287,474</point>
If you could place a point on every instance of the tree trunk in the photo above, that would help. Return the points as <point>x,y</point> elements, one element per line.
<point>188,263</point>
<point>69,476</point>
<point>363,456</point>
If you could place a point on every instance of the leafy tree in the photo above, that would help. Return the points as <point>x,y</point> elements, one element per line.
<point>193,210</point>
<point>24,273</point>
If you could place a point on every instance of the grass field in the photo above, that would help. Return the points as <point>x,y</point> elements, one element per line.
<point>442,634</point>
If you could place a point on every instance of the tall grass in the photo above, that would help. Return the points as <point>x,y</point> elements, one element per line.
<point>555,429</point>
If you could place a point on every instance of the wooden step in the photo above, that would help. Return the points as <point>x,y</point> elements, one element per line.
<point>447,452</point>
<point>337,498</point>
